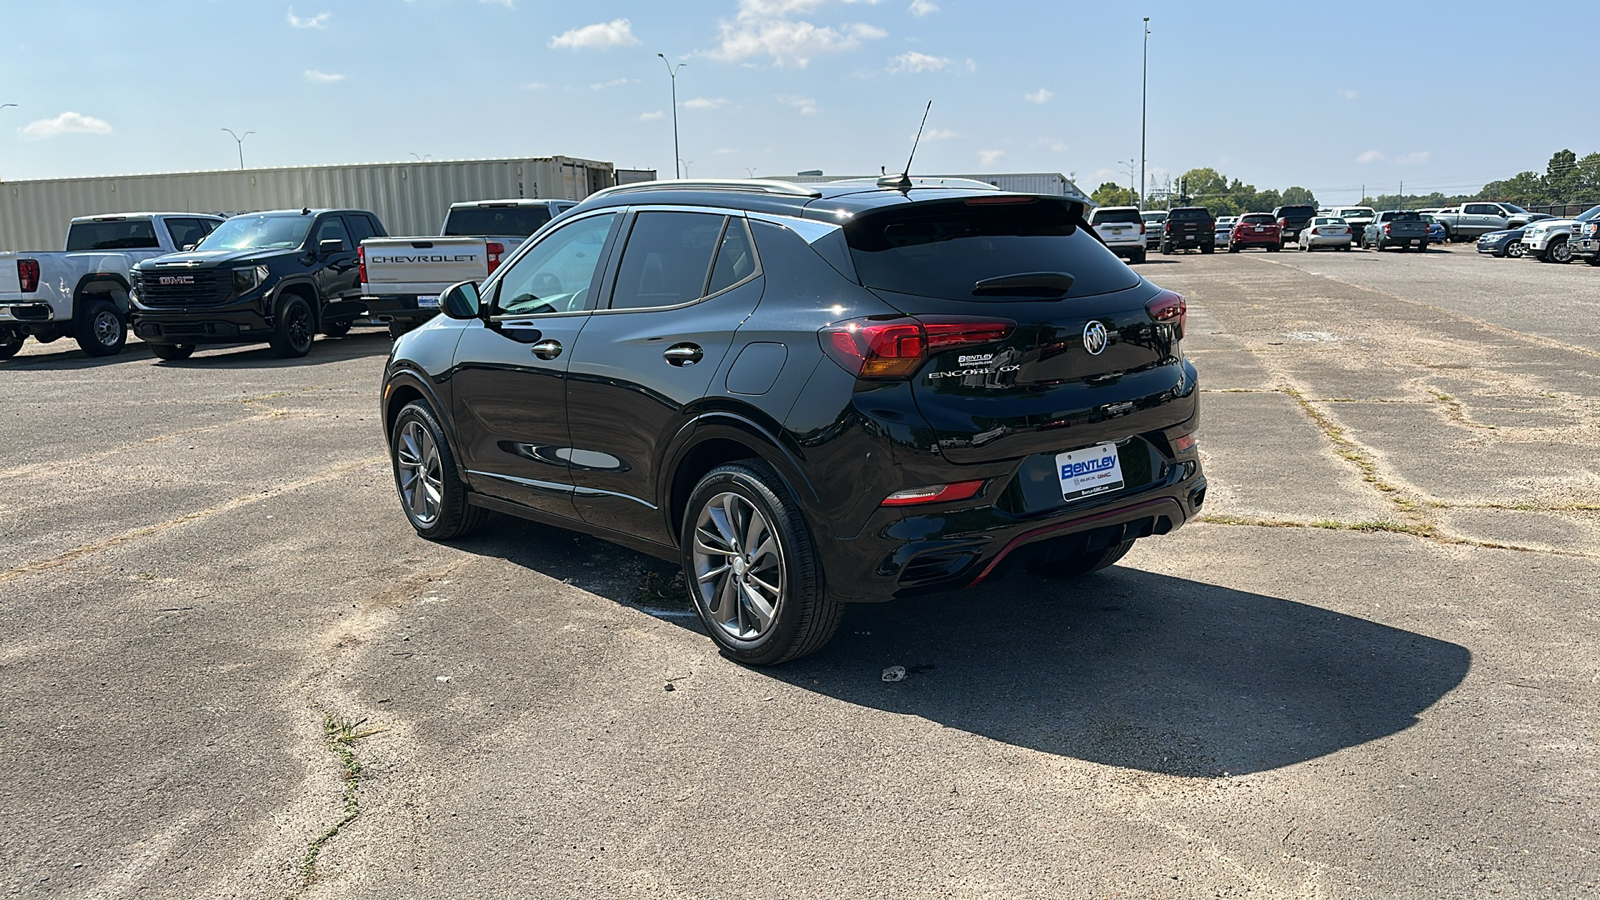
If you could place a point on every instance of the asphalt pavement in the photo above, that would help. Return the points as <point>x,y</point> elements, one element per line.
<point>228,668</point>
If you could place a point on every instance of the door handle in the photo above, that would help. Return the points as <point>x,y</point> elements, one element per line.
<point>547,349</point>
<point>683,354</point>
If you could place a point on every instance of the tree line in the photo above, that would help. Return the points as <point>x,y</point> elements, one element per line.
<point>1566,179</point>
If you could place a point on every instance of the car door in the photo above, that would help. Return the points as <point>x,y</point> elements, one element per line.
<point>508,385</point>
<point>685,282</point>
<point>336,273</point>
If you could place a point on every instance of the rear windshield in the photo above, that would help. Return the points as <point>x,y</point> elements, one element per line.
<point>1357,211</point>
<point>139,234</point>
<point>1297,211</point>
<point>943,249</point>
<point>1258,219</point>
<point>1195,213</point>
<point>498,221</point>
<point>1102,216</point>
<point>1405,217</point>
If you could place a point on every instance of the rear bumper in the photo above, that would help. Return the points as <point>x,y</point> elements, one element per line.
<point>398,308</point>
<point>1254,240</point>
<point>212,326</point>
<point>26,313</point>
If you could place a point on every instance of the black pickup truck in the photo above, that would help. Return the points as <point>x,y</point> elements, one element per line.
<point>1189,227</point>
<point>1291,220</point>
<point>277,277</point>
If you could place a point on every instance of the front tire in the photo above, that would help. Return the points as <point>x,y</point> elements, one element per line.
<point>432,495</point>
<point>752,568</point>
<point>294,328</point>
<point>172,351</point>
<point>1514,250</point>
<point>100,329</point>
<point>1080,564</point>
<point>1559,252</point>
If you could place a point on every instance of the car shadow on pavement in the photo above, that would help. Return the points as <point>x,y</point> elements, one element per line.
<point>1125,667</point>
<point>325,350</point>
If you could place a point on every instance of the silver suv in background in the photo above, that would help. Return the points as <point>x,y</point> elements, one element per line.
<point>1122,230</point>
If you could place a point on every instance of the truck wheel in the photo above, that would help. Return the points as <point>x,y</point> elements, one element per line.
<point>100,329</point>
<point>1560,251</point>
<point>1136,256</point>
<point>1233,248</point>
<point>1448,235</point>
<point>1207,248</point>
<point>291,336</point>
<point>171,351</point>
<point>336,329</point>
<point>1274,248</point>
<point>397,328</point>
<point>10,343</point>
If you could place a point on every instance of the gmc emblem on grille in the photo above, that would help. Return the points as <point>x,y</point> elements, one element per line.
<point>175,279</point>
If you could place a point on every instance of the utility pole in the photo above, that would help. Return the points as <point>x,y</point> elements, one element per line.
<point>1144,101</point>
<point>240,141</point>
<point>672,72</point>
<point>1132,166</point>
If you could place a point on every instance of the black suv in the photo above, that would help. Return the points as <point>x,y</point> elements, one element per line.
<point>1189,228</point>
<point>1293,219</point>
<point>806,395</point>
<point>279,277</point>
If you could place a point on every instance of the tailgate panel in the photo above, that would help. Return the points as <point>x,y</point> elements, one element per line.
<point>393,262</point>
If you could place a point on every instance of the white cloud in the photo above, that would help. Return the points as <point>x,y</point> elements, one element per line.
<point>805,105</point>
<point>320,20</point>
<point>600,36</point>
<point>912,62</point>
<point>323,77</point>
<point>935,134</point>
<point>989,157</point>
<point>66,123</point>
<point>533,86</point>
<point>923,7</point>
<point>763,28</point>
<point>615,82</point>
<point>703,103</point>
<point>1370,156</point>
<point>508,4</point>
<point>1420,156</point>
<point>1041,96</point>
<point>725,151</point>
<point>1348,94</point>
<point>649,116</point>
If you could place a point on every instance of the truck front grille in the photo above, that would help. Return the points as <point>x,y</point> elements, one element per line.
<point>184,287</point>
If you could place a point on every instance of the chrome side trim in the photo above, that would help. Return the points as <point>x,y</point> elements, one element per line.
<point>555,487</point>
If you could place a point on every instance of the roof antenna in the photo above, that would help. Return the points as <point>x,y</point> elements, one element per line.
<point>903,183</point>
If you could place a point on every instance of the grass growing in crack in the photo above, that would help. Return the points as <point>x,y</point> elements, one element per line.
<point>1347,448</point>
<point>341,735</point>
<point>1456,412</point>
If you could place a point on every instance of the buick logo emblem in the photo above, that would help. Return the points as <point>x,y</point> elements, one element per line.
<point>1094,338</point>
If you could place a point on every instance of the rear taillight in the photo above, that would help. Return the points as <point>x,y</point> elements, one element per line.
<point>935,493</point>
<point>361,254</point>
<point>1386,228</point>
<point>496,250</point>
<point>1316,231</point>
<point>892,349</point>
<point>28,274</point>
<point>1168,307</point>
<point>1141,228</point>
<point>1283,223</point>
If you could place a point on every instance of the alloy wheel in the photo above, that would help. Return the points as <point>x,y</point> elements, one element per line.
<point>738,566</point>
<point>1514,249</point>
<point>107,328</point>
<point>300,326</point>
<point>421,473</point>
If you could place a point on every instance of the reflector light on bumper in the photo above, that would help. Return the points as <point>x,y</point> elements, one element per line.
<point>934,493</point>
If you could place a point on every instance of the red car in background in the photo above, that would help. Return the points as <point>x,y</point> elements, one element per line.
<point>1256,230</point>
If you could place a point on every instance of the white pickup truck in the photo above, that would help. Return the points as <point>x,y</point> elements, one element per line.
<point>1470,221</point>
<point>402,277</point>
<point>82,291</point>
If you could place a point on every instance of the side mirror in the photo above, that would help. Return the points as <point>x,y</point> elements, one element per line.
<point>187,247</point>
<point>460,301</point>
<point>329,247</point>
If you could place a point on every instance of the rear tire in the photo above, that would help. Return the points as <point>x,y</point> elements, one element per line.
<point>1233,248</point>
<point>398,328</point>
<point>432,495</point>
<point>10,343</point>
<point>337,329</point>
<point>763,604</point>
<point>294,328</point>
<point>1082,563</point>
<point>1207,249</point>
<point>1137,256</point>
<point>100,329</point>
<point>1274,248</point>
<point>171,351</point>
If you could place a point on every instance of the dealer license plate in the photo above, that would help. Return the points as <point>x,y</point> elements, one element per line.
<point>431,301</point>
<point>1090,471</point>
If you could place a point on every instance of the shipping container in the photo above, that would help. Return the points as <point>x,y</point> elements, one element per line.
<point>410,197</point>
<point>1021,182</point>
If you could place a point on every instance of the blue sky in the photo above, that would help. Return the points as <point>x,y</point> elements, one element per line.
<point>1331,98</point>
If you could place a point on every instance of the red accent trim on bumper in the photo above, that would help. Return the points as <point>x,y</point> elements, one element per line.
<point>1075,525</point>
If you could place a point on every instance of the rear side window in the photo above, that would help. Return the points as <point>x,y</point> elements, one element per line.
<point>361,228</point>
<point>495,221</point>
<point>1102,216</point>
<point>667,260</point>
<point>138,234</point>
<point>944,249</point>
<point>331,229</point>
<point>736,260</point>
<point>186,232</point>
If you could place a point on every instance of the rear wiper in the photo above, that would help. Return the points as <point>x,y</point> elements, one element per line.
<point>1027,284</point>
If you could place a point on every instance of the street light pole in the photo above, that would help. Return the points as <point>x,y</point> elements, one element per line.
<point>672,72</point>
<point>1144,101</point>
<point>240,141</point>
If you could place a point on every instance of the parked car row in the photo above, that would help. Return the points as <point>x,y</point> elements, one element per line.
<point>1548,240</point>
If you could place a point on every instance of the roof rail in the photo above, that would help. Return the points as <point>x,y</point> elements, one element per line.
<point>747,185</point>
<point>921,181</point>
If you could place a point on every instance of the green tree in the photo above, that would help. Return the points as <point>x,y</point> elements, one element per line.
<point>1113,194</point>
<point>1299,196</point>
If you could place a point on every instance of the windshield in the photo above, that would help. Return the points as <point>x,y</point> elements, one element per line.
<point>1155,216</point>
<point>279,232</point>
<point>139,234</point>
<point>495,221</point>
<point>1102,216</point>
<point>1586,216</point>
<point>943,249</point>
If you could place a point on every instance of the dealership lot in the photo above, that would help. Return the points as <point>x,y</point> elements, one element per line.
<point>1373,666</point>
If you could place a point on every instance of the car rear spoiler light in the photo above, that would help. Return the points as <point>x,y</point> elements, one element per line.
<point>895,348</point>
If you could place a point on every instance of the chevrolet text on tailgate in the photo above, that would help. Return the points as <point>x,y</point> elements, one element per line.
<point>807,395</point>
<point>83,290</point>
<point>401,277</point>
